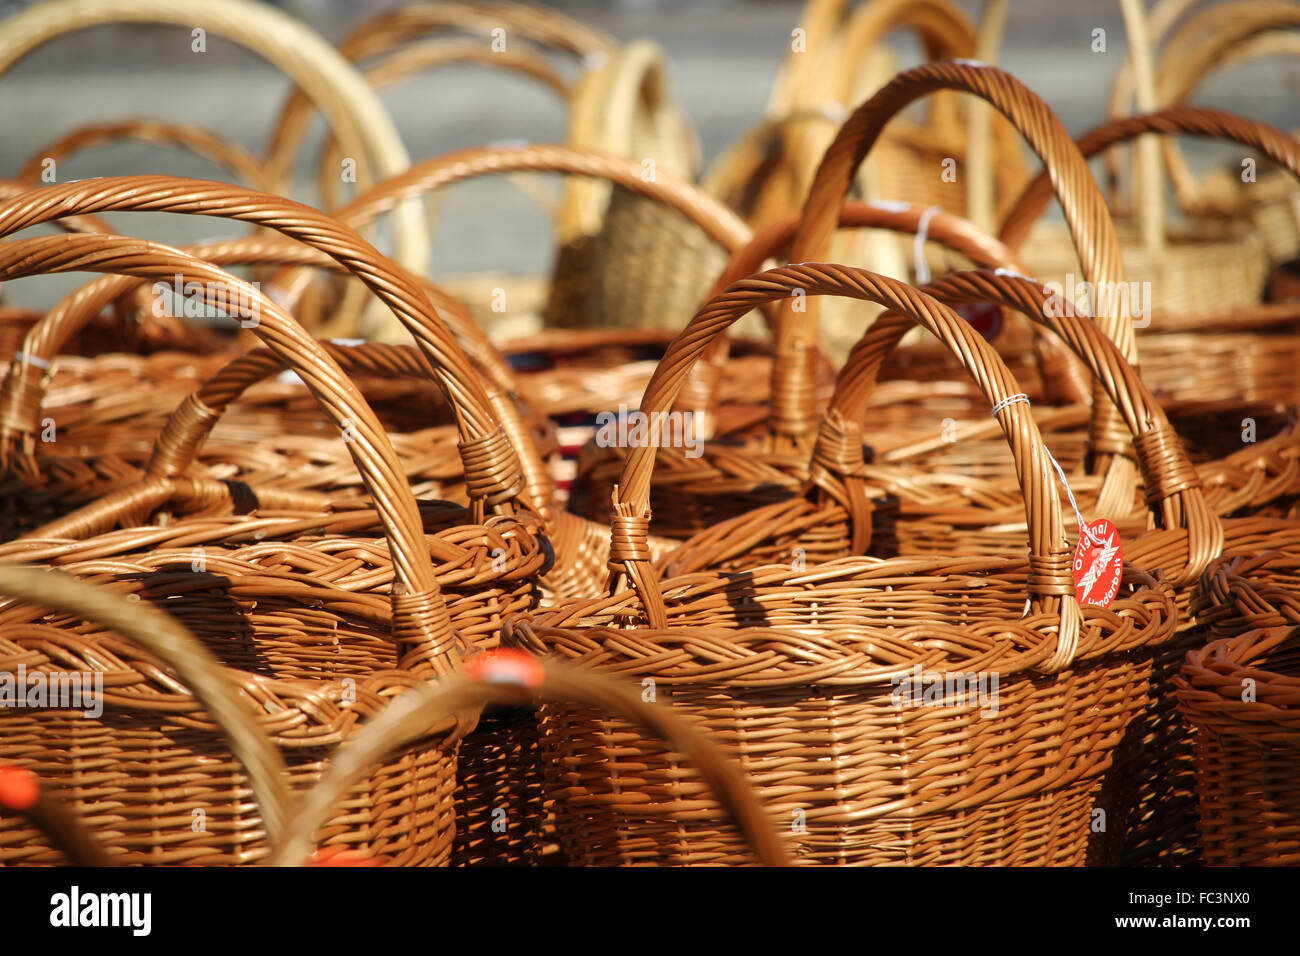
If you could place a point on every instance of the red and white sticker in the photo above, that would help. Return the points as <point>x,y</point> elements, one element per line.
<point>1098,564</point>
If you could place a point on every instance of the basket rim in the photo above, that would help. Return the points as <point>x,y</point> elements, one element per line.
<point>770,657</point>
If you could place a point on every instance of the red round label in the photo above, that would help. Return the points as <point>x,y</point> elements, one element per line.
<point>1098,564</point>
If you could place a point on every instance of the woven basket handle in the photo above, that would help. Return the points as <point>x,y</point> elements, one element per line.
<point>514,678</point>
<point>223,153</point>
<point>389,31</point>
<point>944,31</point>
<point>492,470</point>
<point>351,108</point>
<point>433,54</point>
<point>952,232</point>
<point>182,436</point>
<point>174,646</point>
<point>184,433</point>
<point>1159,21</point>
<point>793,414</point>
<point>420,618</point>
<point>1216,40</point>
<point>1276,145</point>
<point>719,223</point>
<point>1051,588</point>
<point>82,223</point>
<point>18,436</point>
<point>1173,488</point>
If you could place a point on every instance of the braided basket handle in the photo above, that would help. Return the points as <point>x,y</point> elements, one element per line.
<point>79,308</point>
<point>221,152</point>
<point>203,674</point>
<point>178,444</point>
<point>82,223</point>
<point>388,32</point>
<point>1085,211</point>
<point>515,678</point>
<point>1173,488</point>
<point>1213,42</point>
<point>719,223</point>
<point>351,108</point>
<point>952,232</point>
<point>420,617</point>
<point>1276,145</point>
<point>1051,588</point>
<point>944,32</point>
<point>182,436</point>
<point>434,54</point>
<point>492,470</point>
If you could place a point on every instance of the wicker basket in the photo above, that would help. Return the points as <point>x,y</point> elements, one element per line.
<point>23,387</point>
<point>274,436</point>
<point>623,260</point>
<point>840,60</point>
<point>155,645</point>
<point>690,495</point>
<point>274,594</point>
<point>1238,694</point>
<point>776,661</point>
<point>554,390</point>
<point>1215,40</point>
<point>518,680</point>
<point>1257,337</point>
<point>1224,266</point>
<point>757,467</point>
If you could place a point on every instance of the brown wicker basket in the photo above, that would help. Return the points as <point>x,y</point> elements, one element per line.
<point>276,595</point>
<point>557,390</point>
<point>1193,274</point>
<point>777,661</point>
<point>794,415</point>
<point>23,388</point>
<point>1215,40</point>
<point>1255,339</point>
<point>1238,693</point>
<point>624,260</point>
<point>169,654</point>
<point>274,436</point>
<point>520,681</point>
<point>731,476</point>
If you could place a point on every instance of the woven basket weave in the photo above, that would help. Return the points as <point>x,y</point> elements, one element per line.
<point>775,661</point>
<point>1238,693</point>
<point>156,641</point>
<point>250,605</point>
